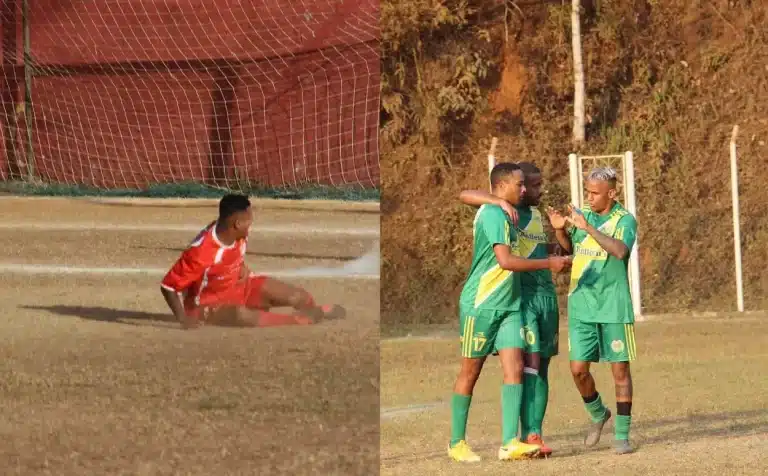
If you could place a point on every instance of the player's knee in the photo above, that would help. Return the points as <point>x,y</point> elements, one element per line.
<point>470,370</point>
<point>579,373</point>
<point>513,370</point>
<point>300,299</point>
<point>621,373</point>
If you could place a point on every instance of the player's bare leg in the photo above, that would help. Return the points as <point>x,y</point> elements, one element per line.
<point>239,316</point>
<point>512,364</point>
<point>276,293</point>
<point>530,428</point>
<point>622,379</point>
<point>599,414</point>
<point>470,370</point>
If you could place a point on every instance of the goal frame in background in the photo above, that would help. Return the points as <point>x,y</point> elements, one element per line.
<point>577,173</point>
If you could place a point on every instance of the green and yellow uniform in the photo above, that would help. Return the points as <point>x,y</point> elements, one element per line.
<point>600,315</point>
<point>490,304</point>
<point>539,298</point>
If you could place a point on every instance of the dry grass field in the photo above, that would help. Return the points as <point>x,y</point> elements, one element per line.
<point>701,405</point>
<point>94,379</point>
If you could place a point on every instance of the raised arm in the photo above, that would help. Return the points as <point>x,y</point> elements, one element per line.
<point>618,247</point>
<point>558,221</point>
<point>478,198</point>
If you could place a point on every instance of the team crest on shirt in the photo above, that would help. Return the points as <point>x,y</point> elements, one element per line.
<point>617,346</point>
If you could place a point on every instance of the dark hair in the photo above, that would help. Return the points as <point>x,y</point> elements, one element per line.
<point>502,171</point>
<point>529,168</point>
<point>232,203</point>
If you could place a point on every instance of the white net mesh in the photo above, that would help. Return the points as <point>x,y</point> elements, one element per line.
<point>128,93</point>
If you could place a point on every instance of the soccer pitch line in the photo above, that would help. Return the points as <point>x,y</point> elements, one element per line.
<point>303,273</point>
<point>263,229</point>
<point>394,412</point>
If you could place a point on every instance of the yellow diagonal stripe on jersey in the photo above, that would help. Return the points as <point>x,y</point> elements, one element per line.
<point>589,251</point>
<point>532,235</point>
<point>490,282</point>
<point>584,254</point>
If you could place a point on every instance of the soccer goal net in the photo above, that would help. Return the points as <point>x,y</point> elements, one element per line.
<point>232,94</point>
<point>579,166</point>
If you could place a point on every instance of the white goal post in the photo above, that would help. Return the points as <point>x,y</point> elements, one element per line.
<point>626,169</point>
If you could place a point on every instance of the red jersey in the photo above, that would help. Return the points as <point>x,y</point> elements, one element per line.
<point>207,269</point>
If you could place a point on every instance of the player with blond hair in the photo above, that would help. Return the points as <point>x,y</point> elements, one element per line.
<point>600,315</point>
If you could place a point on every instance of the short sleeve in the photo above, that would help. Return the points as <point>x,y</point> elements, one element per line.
<point>187,270</point>
<point>496,227</point>
<point>626,231</point>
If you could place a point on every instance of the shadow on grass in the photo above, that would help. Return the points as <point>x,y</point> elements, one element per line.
<point>104,314</point>
<point>666,431</point>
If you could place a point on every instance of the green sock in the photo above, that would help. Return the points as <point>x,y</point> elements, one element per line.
<point>539,404</point>
<point>527,408</point>
<point>459,413</point>
<point>511,397</point>
<point>596,409</point>
<point>621,426</point>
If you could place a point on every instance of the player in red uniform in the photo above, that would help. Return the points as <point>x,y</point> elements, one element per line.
<point>210,283</point>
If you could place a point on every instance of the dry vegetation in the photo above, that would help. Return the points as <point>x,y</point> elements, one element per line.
<point>665,79</point>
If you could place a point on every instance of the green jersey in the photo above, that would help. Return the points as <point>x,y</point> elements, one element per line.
<point>599,289</point>
<point>488,286</point>
<point>533,243</point>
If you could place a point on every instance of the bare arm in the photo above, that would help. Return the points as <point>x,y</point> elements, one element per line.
<point>477,198</point>
<point>510,262</point>
<point>564,240</point>
<point>245,272</point>
<point>614,247</point>
<point>174,303</point>
<point>184,272</point>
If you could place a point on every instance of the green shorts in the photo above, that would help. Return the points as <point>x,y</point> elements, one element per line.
<point>486,331</point>
<point>595,342</point>
<point>541,320</point>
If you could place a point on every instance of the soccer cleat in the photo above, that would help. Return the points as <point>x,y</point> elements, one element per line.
<point>594,432</point>
<point>623,447</point>
<point>462,453</point>
<point>544,450</point>
<point>515,450</point>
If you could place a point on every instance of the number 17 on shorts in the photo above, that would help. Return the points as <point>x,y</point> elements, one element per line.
<point>484,332</point>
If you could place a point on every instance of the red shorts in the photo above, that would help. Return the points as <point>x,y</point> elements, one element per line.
<point>246,293</point>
